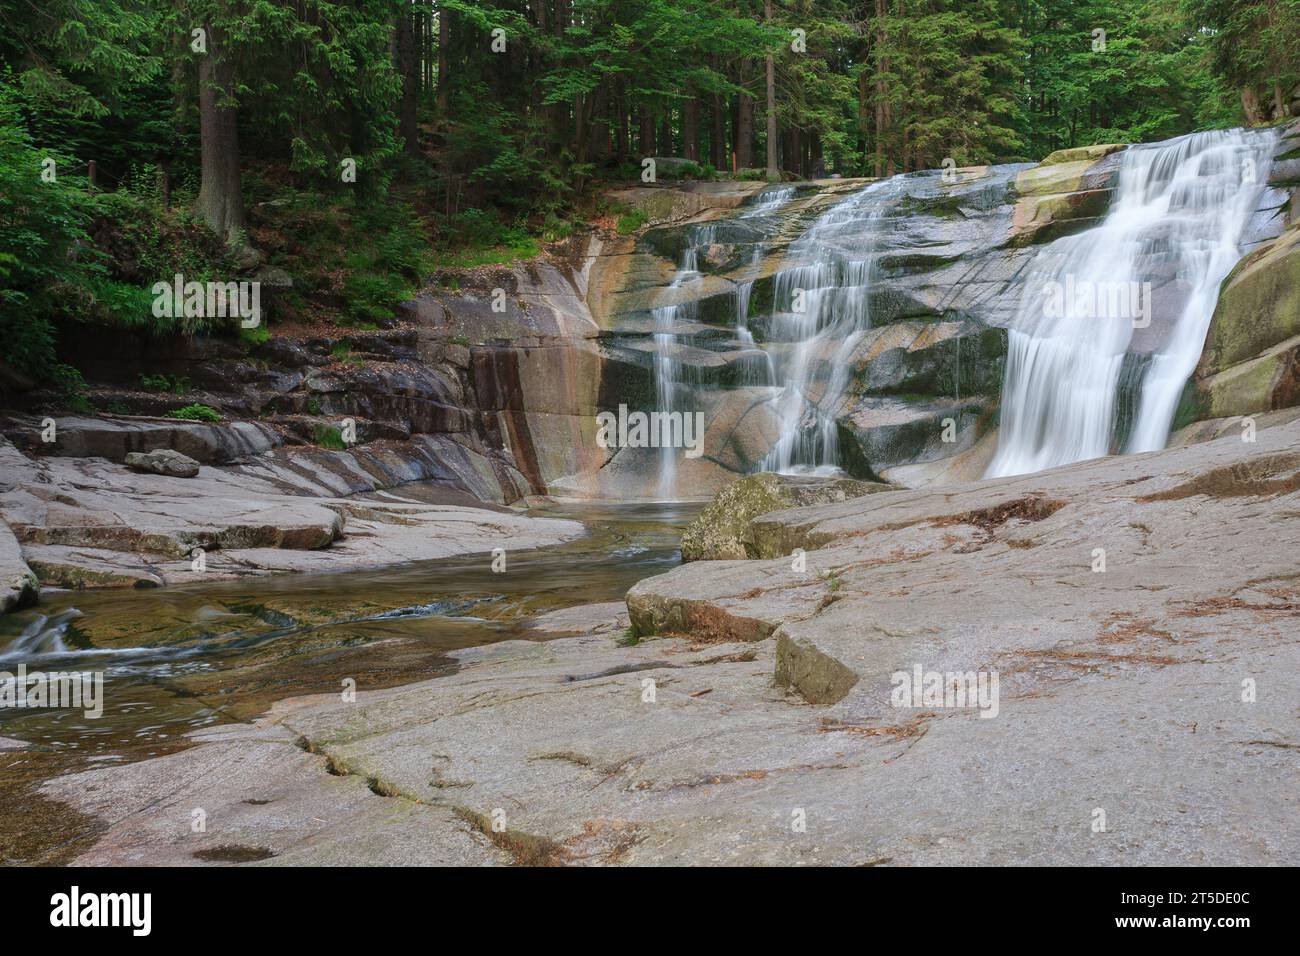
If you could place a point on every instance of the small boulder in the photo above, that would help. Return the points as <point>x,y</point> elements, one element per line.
<point>724,529</point>
<point>163,461</point>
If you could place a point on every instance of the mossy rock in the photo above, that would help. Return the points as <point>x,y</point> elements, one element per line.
<point>723,530</point>
<point>1259,306</point>
<point>1077,153</point>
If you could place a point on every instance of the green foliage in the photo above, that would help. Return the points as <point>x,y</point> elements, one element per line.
<point>352,259</point>
<point>177,384</point>
<point>257,335</point>
<point>196,412</point>
<point>1143,80</point>
<point>511,141</point>
<point>332,98</point>
<point>78,57</point>
<point>327,436</point>
<point>1252,47</point>
<point>631,222</point>
<point>476,238</point>
<point>43,239</point>
<point>69,386</point>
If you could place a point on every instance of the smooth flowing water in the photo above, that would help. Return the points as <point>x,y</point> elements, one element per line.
<point>672,385</point>
<point>823,311</point>
<point>1136,291</point>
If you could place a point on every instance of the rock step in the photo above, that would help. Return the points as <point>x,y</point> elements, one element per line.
<point>208,443</point>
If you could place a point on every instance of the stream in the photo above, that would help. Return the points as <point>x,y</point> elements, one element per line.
<point>179,659</point>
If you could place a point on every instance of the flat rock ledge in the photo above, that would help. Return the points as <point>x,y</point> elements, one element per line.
<point>92,523</point>
<point>759,726</point>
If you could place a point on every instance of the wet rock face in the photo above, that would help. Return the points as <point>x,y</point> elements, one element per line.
<point>1251,362</point>
<point>504,370</point>
<point>949,255</point>
<point>946,254</point>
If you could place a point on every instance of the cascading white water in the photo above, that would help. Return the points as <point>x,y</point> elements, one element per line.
<point>671,392</point>
<point>667,368</point>
<point>827,303</point>
<point>1152,267</point>
<point>43,637</point>
<point>757,368</point>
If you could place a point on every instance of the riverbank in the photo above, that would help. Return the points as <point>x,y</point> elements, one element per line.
<point>1144,712</point>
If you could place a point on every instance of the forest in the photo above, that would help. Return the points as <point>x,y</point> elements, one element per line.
<point>360,146</point>
<point>759,433</point>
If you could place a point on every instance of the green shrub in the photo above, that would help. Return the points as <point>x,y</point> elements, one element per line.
<point>70,387</point>
<point>44,253</point>
<point>196,412</point>
<point>178,384</point>
<point>327,436</point>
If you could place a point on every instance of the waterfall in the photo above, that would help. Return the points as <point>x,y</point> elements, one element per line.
<point>671,390</point>
<point>1141,286</point>
<point>827,302</point>
<point>756,366</point>
<point>667,367</point>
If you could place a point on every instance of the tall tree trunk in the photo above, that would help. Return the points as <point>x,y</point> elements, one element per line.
<point>426,48</point>
<point>600,145</point>
<point>718,140</point>
<point>1250,106</point>
<point>744,122</point>
<point>408,66</point>
<point>666,134</point>
<point>862,113</point>
<point>647,134</point>
<point>882,66</point>
<point>220,202</point>
<point>444,43</point>
<point>772,171</point>
<point>691,128</point>
<point>624,130</point>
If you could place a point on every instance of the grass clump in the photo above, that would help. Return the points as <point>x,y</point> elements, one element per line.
<point>631,222</point>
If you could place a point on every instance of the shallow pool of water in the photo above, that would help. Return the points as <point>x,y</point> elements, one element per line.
<point>177,659</point>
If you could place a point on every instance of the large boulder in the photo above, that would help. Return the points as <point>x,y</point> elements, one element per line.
<point>881,433</point>
<point>723,530</point>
